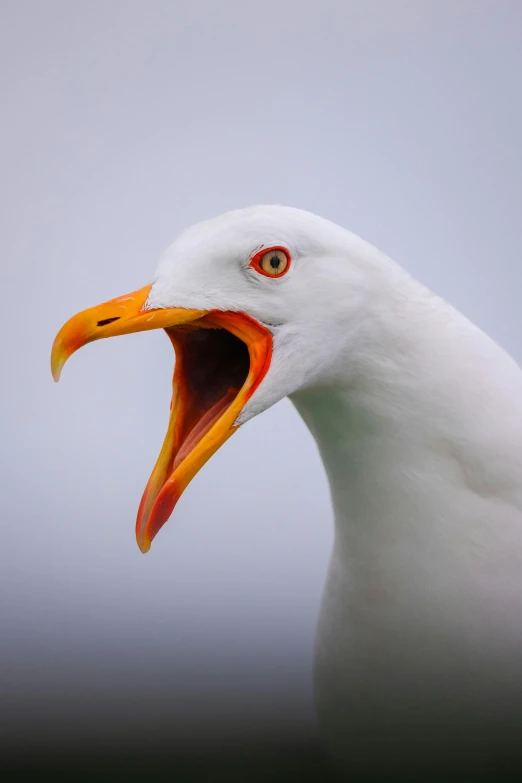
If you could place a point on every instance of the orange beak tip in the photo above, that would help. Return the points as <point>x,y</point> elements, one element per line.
<point>144,545</point>
<point>56,371</point>
<point>59,356</point>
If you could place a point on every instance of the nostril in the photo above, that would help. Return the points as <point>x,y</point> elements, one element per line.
<point>107,321</point>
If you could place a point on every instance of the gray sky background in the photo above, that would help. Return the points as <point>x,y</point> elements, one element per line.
<point>123,123</point>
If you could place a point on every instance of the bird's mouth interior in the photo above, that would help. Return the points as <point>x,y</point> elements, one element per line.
<point>214,367</point>
<point>220,360</point>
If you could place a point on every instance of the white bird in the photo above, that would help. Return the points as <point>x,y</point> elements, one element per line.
<point>417,415</point>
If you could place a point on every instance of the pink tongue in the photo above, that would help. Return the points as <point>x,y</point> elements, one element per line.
<point>203,426</point>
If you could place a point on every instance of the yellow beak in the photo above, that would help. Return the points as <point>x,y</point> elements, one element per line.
<point>221,357</point>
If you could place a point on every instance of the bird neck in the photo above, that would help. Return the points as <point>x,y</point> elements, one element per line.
<point>407,432</point>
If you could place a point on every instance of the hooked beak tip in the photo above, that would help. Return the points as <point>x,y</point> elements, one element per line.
<point>58,359</point>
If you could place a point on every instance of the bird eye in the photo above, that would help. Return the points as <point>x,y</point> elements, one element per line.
<point>272,263</point>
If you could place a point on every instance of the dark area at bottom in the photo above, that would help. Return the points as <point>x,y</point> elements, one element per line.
<point>252,765</point>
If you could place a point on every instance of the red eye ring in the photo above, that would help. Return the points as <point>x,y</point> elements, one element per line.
<point>271,262</point>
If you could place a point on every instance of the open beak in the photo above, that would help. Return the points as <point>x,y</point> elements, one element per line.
<point>221,358</point>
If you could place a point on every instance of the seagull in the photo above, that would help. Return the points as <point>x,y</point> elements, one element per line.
<point>417,416</point>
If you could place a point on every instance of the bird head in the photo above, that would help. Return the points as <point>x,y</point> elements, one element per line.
<point>245,299</point>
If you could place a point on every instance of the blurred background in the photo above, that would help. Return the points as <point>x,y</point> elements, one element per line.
<point>125,121</point>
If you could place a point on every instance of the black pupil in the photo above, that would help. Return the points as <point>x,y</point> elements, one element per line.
<point>275,261</point>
